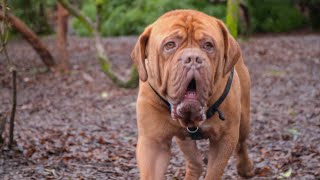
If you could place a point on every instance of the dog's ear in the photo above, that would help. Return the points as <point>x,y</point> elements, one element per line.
<point>138,54</point>
<point>232,51</point>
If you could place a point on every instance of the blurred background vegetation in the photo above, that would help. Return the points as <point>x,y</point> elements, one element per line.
<point>129,17</point>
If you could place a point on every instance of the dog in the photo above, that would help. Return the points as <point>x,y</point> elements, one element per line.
<point>193,85</point>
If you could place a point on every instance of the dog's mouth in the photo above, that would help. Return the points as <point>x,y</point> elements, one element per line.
<point>189,111</point>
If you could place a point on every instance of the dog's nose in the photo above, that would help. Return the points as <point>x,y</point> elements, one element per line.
<point>192,58</point>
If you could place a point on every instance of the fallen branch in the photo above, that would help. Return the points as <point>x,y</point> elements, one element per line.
<point>101,54</point>
<point>29,36</point>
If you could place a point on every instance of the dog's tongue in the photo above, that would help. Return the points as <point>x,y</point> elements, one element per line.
<point>190,106</point>
<point>190,95</point>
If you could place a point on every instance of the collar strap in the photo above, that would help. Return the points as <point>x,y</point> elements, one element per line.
<point>215,107</point>
<point>165,101</point>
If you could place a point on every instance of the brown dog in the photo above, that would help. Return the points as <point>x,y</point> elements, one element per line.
<point>193,85</point>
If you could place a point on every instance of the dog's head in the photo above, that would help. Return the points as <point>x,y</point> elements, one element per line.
<point>182,55</point>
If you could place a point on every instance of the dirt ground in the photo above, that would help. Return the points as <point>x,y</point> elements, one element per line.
<point>80,126</point>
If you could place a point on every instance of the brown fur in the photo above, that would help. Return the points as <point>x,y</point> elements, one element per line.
<point>162,70</point>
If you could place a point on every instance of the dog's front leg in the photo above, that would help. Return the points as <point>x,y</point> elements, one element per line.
<point>153,157</point>
<point>219,154</point>
<point>193,158</point>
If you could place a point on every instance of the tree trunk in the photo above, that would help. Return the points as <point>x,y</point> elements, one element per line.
<point>32,38</point>
<point>232,17</point>
<point>246,16</point>
<point>62,38</point>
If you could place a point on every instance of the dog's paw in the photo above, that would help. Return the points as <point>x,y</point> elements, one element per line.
<point>246,170</point>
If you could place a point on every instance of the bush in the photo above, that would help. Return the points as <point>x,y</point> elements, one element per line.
<point>275,15</point>
<point>123,17</point>
<point>126,17</point>
<point>33,13</point>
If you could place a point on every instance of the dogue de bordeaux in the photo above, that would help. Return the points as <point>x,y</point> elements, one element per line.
<point>193,85</point>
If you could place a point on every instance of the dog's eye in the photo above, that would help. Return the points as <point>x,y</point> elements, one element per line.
<point>208,46</point>
<point>170,45</point>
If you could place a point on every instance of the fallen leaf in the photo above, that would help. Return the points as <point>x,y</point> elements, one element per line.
<point>295,133</point>
<point>104,95</point>
<point>87,77</point>
<point>265,171</point>
<point>286,174</point>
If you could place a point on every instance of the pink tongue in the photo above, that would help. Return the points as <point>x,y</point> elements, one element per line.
<point>190,95</point>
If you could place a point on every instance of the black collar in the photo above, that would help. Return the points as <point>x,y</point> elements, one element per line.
<point>212,109</point>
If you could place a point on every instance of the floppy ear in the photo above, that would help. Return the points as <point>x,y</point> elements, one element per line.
<point>232,51</point>
<point>138,54</point>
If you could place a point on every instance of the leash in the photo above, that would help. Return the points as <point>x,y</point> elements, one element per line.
<point>195,132</point>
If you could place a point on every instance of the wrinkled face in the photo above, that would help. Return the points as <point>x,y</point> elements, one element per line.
<point>184,53</point>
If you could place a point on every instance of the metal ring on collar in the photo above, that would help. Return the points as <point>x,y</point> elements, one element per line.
<point>192,131</point>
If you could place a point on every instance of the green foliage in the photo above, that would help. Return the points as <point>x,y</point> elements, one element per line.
<point>33,13</point>
<point>90,10</point>
<point>275,15</point>
<point>121,17</point>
